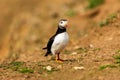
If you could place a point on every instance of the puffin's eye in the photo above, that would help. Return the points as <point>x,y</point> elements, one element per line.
<point>61,22</point>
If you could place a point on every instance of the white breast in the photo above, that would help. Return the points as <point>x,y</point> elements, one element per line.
<point>60,42</point>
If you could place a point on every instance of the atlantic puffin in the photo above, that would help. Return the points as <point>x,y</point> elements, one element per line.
<point>58,41</point>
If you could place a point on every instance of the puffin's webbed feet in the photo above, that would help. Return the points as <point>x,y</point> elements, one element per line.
<point>58,59</point>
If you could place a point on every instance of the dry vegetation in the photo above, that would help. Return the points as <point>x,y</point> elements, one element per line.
<point>93,52</point>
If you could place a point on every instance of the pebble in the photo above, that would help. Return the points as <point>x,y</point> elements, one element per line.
<point>74,53</point>
<point>79,68</point>
<point>49,68</point>
<point>91,46</point>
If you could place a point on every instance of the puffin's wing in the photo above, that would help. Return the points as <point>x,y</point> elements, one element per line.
<point>50,43</point>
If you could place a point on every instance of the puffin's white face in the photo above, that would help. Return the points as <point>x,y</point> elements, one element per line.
<point>63,23</point>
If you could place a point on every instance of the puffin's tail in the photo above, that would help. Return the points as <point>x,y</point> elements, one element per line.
<point>44,48</point>
<point>47,53</point>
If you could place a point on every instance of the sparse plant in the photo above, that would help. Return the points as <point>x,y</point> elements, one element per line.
<point>94,3</point>
<point>117,52</point>
<point>107,66</point>
<point>108,20</point>
<point>104,22</point>
<point>15,65</point>
<point>117,61</point>
<point>117,57</point>
<point>112,16</point>
<point>25,70</point>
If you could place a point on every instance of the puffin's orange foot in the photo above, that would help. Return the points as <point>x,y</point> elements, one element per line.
<point>59,60</point>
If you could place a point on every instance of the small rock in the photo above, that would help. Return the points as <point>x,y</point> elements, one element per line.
<point>49,68</point>
<point>74,53</point>
<point>79,68</point>
<point>91,46</point>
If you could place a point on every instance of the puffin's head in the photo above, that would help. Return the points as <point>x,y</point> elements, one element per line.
<point>63,23</point>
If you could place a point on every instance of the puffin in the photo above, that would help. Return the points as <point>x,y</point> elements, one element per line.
<point>58,41</point>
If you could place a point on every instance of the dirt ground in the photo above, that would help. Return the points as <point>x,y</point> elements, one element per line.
<point>93,52</point>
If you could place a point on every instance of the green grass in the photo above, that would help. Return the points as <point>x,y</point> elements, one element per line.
<point>118,61</point>
<point>104,23</point>
<point>25,70</point>
<point>94,3</point>
<point>108,20</point>
<point>116,64</point>
<point>107,66</point>
<point>16,63</point>
<point>117,52</point>
<point>117,57</point>
<point>17,66</point>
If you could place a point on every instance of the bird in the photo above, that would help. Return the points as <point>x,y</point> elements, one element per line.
<point>58,41</point>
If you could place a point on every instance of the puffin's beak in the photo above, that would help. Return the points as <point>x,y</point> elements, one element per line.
<point>66,25</point>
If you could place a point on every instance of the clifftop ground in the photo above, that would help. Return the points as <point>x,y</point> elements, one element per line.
<point>93,52</point>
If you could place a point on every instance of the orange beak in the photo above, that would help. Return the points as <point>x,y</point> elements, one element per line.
<point>66,25</point>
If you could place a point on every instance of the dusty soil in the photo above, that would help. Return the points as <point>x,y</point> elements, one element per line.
<point>26,26</point>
